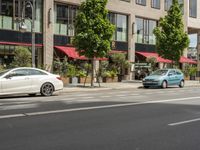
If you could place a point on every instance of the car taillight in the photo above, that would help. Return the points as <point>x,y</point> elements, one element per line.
<point>59,78</point>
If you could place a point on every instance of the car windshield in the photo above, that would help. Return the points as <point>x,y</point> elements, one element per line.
<point>160,72</point>
<point>3,72</point>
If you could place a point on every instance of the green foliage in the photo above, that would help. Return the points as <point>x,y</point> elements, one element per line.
<point>186,70</point>
<point>93,31</point>
<point>152,61</point>
<point>109,74</point>
<point>119,62</point>
<point>71,70</point>
<point>60,67</point>
<point>192,71</point>
<point>22,57</point>
<point>171,39</point>
<point>81,73</point>
<point>2,68</point>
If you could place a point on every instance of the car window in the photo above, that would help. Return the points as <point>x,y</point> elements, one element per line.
<point>36,72</point>
<point>160,72</point>
<point>19,72</point>
<point>172,72</point>
<point>178,72</point>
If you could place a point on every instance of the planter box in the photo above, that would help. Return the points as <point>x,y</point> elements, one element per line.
<point>66,81</point>
<point>82,80</point>
<point>105,79</point>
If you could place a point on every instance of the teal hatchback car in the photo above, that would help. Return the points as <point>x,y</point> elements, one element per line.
<point>164,78</point>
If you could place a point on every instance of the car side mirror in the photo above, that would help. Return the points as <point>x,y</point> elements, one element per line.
<point>10,75</point>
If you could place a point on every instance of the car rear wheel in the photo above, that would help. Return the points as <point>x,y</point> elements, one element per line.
<point>146,87</point>
<point>164,84</point>
<point>181,84</point>
<point>47,89</point>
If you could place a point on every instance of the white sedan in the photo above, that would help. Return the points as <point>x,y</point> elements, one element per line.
<point>30,81</point>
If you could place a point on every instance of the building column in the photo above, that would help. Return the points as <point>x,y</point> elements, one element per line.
<point>198,53</point>
<point>48,34</point>
<point>131,44</point>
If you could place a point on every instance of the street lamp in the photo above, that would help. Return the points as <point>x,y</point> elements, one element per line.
<point>23,27</point>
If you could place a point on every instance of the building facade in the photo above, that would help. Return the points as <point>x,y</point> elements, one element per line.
<point>54,26</point>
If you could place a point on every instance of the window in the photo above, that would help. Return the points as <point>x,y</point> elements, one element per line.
<point>65,19</point>
<point>193,8</point>
<point>36,72</point>
<point>155,4</point>
<point>144,28</point>
<point>141,2</point>
<point>168,4</point>
<point>19,72</point>
<point>7,15</point>
<point>121,23</point>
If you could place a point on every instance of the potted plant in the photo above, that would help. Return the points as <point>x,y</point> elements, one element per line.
<point>192,72</point>
<point>109,76</point>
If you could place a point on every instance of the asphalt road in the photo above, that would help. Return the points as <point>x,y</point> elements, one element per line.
<point>134,119</point>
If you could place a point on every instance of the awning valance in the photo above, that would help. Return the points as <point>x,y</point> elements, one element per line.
<point>158,58</point>
<point>72,53</point>
<point>187,60</point>
<point>162,60</point>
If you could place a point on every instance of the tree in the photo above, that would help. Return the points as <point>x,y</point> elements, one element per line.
<point>93,31</point>
<point>171,39</point>
<point>22,57</point>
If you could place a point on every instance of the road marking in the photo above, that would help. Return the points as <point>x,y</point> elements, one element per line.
<point>106,96</point>
<point>184,122</point>
<point>95,107</point>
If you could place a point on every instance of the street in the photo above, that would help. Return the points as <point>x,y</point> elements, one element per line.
<point>128,119</point>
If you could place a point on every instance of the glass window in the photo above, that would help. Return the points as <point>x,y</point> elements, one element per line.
<point>7,14</point>
<point>141,2</point>
<point>144,28</point>
<point>121,28</point>
<point>19,72</point>
<point>193,8</point>
<point>36,72</point>
<point>155,4</point>
<point>65,19</point>
<point>121,23</point>
<point>168,4</point>
<point>140,30</point>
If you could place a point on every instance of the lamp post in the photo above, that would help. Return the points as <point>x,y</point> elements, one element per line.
<point>27,3</point>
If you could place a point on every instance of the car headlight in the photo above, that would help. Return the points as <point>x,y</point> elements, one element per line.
<point>143,80</point>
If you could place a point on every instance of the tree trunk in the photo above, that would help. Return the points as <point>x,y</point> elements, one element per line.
<point>92,77</point>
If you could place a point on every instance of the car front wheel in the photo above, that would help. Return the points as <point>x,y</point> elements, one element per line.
<point>47,89</point>
<point>164,84</point>
<point>181,84</point>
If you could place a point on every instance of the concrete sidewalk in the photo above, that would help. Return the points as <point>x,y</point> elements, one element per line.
<point>116,85</point>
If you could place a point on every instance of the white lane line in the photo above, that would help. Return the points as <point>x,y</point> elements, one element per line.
<point>106,96</point>
<point>184,122</point>
<point>12,116</point>
<point>120,95</point>
<point>95,107</point>
<point>24,106</point>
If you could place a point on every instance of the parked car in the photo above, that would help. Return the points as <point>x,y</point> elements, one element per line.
<point>164,78</point>
<point>30,81</point>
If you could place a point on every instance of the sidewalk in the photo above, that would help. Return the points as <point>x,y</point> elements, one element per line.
<point>116,85</point>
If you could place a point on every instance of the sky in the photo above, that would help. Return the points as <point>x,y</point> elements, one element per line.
<point>193,40</point>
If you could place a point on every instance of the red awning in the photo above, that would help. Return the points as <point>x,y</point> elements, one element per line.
<point>187,60</point>
<point>72,53</point>
<point>158,58</point>
<point>19,44</point>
